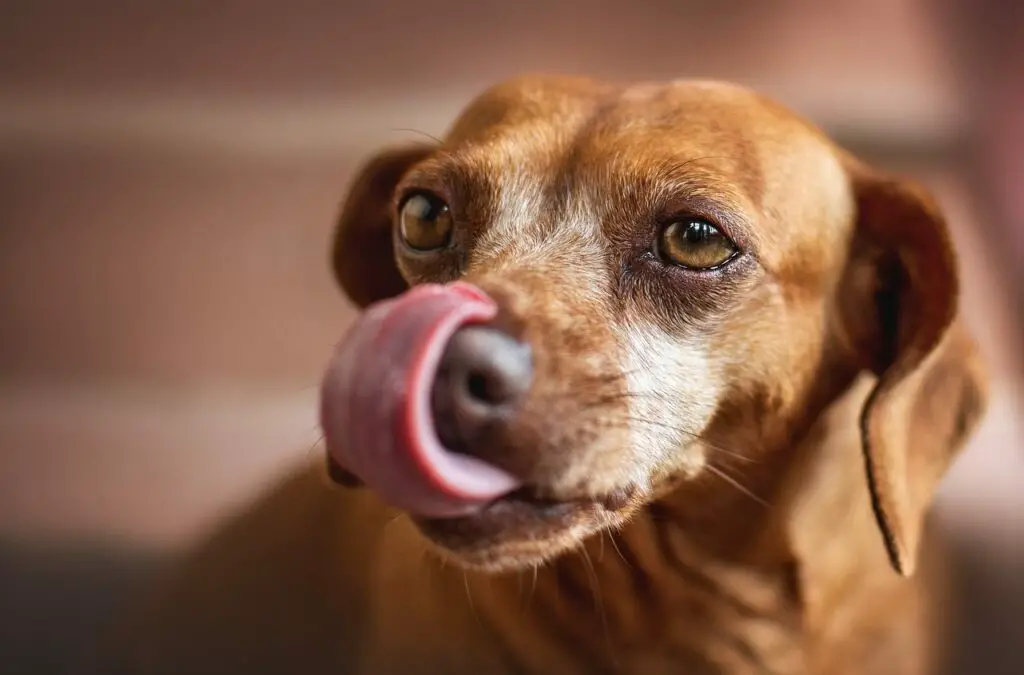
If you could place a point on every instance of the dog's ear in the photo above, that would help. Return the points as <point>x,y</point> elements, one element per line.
<point>899,301</point>
<point>362,255</point>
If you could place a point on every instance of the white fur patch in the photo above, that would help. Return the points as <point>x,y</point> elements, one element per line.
<point>520,200</point>
<point>673,393</point>
<point>522,230</point>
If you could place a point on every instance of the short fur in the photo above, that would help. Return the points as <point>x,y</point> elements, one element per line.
<point>748,454</point>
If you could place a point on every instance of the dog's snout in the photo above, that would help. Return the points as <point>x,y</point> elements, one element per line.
<point>483,375</point>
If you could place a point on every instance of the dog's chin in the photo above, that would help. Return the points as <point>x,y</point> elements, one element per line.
<point>520,531</point>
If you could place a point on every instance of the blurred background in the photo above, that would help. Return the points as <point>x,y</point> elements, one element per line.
<point>169,173</point>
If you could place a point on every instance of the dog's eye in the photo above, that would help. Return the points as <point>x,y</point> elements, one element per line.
<point>425,222</point>
<point>695,244</point>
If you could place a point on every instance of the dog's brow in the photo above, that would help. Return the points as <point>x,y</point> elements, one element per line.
<point>681,187</point>
<point>465,183</point>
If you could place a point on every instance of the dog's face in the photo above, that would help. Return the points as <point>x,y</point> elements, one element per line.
<point>688,267</point>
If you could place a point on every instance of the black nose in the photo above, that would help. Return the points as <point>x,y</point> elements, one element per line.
<point>484,374</point>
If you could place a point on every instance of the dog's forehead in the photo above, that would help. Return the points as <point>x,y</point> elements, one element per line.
<point>578,134</point>
<point>569,119</point>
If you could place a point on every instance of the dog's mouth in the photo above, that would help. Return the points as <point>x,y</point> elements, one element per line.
<point>522,509</point>
<point>526,506</point>
<point>523,528</point>
<point>378,427</point>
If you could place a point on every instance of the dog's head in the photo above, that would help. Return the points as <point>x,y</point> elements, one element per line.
<point>622,292</point>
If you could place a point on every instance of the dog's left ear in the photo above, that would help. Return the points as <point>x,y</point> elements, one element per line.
<point>898,305</point>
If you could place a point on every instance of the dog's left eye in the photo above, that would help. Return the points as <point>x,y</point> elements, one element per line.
<point>695,244</point>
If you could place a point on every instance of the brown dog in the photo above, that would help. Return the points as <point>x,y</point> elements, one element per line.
<point>683,412</point>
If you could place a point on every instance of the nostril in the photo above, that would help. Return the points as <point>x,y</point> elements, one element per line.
<point>485,388</point>
<point>493,370</point>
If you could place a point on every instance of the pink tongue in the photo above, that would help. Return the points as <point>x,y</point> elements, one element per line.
<point>375,404</point>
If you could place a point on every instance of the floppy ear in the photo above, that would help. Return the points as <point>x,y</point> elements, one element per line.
<point>362,255</point>
<point>899,305</point>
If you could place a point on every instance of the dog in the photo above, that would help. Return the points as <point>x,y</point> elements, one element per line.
<point>651,379</point>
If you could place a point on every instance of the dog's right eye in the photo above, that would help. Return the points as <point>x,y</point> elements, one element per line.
<point>424,222</point>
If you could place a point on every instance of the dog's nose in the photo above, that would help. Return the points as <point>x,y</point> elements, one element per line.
<point>483,375</point>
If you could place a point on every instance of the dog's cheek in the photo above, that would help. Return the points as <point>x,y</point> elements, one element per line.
<point>673,392</point>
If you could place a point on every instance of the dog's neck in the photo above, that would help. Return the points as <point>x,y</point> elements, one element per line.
<point>781,593</point>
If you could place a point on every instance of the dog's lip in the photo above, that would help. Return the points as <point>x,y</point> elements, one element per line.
<point>509,515</point>
<point>529,503</point>
<point>614,500</point>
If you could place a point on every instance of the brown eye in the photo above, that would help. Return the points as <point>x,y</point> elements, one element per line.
<point>425,222</point>
<point>695,244</point>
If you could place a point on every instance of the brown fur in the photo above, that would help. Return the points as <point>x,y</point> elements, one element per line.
<point>743,458</point>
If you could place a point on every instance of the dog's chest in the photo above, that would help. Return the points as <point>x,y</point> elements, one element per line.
<point>603,622</point>
<point>701,638</point>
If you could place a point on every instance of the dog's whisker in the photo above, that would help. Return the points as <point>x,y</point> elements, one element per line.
<point>716,471</point>
<point>533,584</point>
<point>615,545</point>
<point>312,448</point>
<point>696,436</point>
<point>418,132</point>
<point>703,158</point>
<point>610,377</point>
<point>315,444</point>
<point>469,596</point>
<point>595,587</point>
<point>423,564</point>
<point>607,399</point>
<point>671,427</point>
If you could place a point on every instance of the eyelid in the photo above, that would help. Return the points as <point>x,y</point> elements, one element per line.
<point>431,176</point>
<point>730,223</point>
<point>406,191</point>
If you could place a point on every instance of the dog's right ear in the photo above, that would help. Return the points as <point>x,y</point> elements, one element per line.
<point>362,255</point>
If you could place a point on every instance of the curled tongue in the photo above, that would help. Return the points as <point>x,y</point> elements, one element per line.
<point>375,404</point>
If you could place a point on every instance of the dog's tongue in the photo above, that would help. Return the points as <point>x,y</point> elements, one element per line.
<point>375,404</point>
